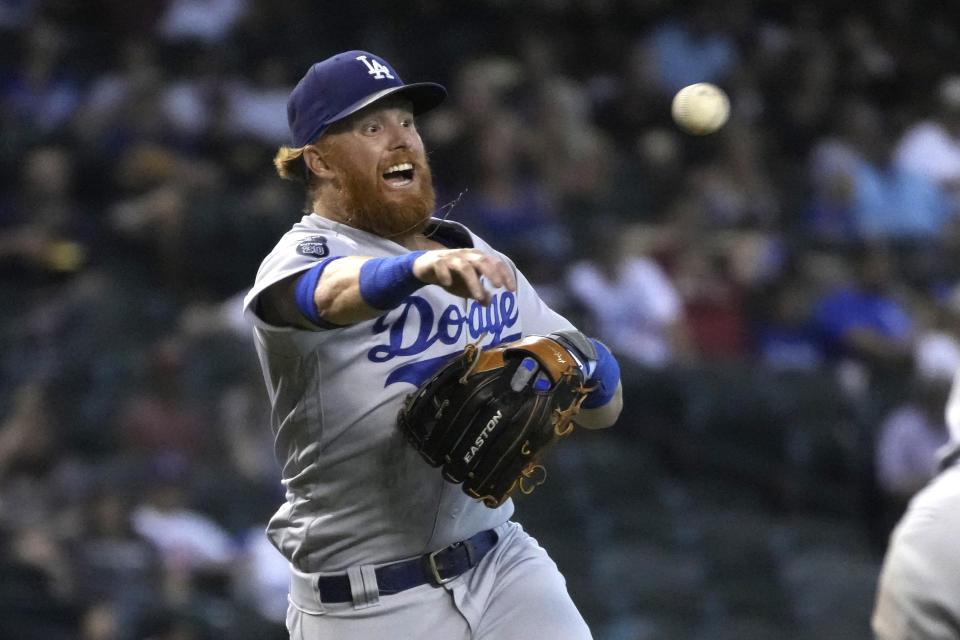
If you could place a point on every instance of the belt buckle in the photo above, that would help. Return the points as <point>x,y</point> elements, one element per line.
<point>434,572</point>
<point>432,560</point>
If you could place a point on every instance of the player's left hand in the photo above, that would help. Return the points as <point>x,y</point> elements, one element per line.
<point>489,416</point>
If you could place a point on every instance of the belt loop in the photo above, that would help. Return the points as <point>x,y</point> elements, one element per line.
<point>471,553</point>
<point>363,586</point>
<point>305,592</point>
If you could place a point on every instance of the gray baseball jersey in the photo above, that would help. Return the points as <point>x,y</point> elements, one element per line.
<point>357,493</point>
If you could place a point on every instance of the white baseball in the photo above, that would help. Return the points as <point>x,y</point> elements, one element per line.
<point>700,108</point>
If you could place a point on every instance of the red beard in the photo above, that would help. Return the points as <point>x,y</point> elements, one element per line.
<point>365,207</point>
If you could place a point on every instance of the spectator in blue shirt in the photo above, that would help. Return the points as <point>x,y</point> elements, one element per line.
<point>859,193</point>
<point>863,320</point>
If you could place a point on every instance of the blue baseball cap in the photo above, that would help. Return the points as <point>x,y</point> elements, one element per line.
<point>334,88</point>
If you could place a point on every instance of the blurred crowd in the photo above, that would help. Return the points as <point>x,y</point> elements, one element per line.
<point>815,236</point>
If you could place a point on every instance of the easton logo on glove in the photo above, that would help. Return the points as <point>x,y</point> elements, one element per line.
<point>491,425</point>
<point>486,418</point>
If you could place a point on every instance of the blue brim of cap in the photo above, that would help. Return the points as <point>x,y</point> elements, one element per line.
<point>423,95</point>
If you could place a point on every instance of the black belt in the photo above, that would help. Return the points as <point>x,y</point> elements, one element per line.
<point>436,568</point>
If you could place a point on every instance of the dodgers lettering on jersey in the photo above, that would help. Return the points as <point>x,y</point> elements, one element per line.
<point>448,328</point>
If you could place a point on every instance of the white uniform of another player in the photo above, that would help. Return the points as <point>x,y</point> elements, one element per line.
<point>358,495</point>
<point>918,591</point>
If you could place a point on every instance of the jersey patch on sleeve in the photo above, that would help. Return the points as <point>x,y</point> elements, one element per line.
<point>315,246</point>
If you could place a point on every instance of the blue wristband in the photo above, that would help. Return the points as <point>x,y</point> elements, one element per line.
<point>606,376</point>
<point>305,290</point>
<point>385,282</point>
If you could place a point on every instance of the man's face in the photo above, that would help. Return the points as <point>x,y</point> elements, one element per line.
<point>381,169</point>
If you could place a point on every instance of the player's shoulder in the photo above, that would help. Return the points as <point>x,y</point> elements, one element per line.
<point>311,239</point>
<point>317,237</point>
<point>451,234</point>
<point>456,235</point>
<point>933,512</point>
<point>313,236</point>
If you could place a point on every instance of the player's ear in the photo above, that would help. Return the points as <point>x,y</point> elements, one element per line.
<point>316,162</point>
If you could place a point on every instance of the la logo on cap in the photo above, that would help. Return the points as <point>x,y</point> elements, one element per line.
<point>374,68</point>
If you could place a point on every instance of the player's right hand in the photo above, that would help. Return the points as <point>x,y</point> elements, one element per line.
<point>459,271</point>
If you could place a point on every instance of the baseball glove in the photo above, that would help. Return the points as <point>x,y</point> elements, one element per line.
<point>488,416</point>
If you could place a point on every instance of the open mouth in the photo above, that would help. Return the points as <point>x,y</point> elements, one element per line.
<point>399,175</point>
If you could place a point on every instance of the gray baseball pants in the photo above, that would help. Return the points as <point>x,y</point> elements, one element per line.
<point>515,593</point>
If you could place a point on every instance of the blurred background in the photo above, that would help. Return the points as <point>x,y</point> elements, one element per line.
<point>782,295</point>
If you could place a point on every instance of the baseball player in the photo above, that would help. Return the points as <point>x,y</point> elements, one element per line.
<point>357,305</point>
<point>918,593</point>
